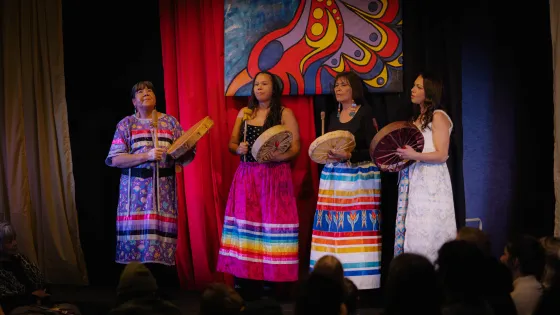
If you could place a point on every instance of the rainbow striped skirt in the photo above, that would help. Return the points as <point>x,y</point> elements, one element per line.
<point>261,225</point>
<point>347,221</point>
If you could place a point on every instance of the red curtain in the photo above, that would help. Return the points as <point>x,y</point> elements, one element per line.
<point>192,37</point>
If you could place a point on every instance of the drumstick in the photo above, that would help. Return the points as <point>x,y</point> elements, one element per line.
<point>375,124</point>
<point>129,184</point>
<point>155,140</point>
<point>245,139</point>
<point>322,123</point>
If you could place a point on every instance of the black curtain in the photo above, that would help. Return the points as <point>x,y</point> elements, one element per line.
<point>431,41</point>
<point>525,56</point>
<point>508,118</point>
<point>107,49</point>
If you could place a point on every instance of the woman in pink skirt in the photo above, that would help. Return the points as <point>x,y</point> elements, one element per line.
<point>260,233</point>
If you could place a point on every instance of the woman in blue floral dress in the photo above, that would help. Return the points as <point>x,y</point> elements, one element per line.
<point>146,227</point>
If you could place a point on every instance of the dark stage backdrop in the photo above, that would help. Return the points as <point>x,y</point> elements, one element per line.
<point>508,118</point>
<point>502,97</point>
<point>108,47</point>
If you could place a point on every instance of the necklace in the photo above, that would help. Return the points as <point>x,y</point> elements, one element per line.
<point>353,110</point>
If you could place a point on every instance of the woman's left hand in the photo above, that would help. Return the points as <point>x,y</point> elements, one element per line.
<point>407,153</point>
<point>339,155</point>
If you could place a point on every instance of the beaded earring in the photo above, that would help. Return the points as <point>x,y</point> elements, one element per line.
<point>339,110</point>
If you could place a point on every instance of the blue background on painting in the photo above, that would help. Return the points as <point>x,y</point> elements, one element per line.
<point>245,22</point>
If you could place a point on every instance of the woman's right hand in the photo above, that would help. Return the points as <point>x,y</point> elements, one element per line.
<point>339,155</point>
<point>243,148</point>
<point>156,154</point>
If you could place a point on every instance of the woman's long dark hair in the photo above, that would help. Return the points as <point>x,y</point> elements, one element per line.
<point>274,116</point>
<point>433,91</point>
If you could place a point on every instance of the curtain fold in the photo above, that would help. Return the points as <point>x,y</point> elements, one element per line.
<point>555,36</point>
<point>3,152</point>
<point>37,176</point>
<point>192,37</point>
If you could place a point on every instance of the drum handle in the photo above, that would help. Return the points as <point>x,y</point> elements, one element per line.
<point>375,124</point>
<point>155,141</point>
<point>322,123</point>
<point>129,184</point>
<point>130,168</point>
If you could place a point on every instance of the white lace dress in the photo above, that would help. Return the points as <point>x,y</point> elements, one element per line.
<point>426,214</point>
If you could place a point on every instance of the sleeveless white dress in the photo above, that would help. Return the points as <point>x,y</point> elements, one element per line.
<point>426,210</point>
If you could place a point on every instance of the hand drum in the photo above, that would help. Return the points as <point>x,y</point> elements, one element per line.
<point>383,147</point>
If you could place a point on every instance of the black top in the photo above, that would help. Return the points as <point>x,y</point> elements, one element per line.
<point>253,132</point>
<point>361,126</point>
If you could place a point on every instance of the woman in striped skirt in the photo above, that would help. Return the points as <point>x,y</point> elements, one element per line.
<point>347,222</point>
<point>260,232</point>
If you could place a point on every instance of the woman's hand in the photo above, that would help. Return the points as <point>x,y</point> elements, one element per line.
<point>243,148</point>
<point>156,154</point>
<point>339,155</point>
<point>407,153</point>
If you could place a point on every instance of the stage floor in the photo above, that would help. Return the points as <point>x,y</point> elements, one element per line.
<point>99,300</point>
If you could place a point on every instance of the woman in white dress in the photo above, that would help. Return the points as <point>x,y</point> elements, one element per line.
<point>425,211</point>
